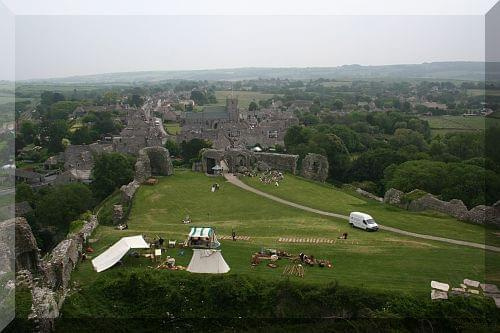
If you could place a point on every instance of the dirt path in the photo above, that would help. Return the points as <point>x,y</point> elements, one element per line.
<point>235,181</point>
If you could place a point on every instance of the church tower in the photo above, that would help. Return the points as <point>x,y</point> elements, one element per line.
<point>232,108</point>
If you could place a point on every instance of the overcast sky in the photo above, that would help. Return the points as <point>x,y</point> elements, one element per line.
<point>62,45</point>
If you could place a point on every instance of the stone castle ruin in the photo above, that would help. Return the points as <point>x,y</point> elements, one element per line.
<point>314,166</point>
<point>151,161</point>
<point>229,127</point>
<point>239,161</point>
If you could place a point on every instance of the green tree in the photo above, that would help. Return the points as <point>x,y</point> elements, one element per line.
<point>296,135</point>
<point>63,204</point>
<point>465,145</point>
<point>24,193</point>
<point>110,97</point>
<point>334,149</point>
<point>191,149</point>
<point>82,135</point>
<point>253,106</point>
<point>349,137</point>
<point>338,104</point>
<point>48,98</point>
<point>430,176</point>
<point>135,100</point>
<point>370,165</point>
<point>173,148</point>
<point>62,109</point>
<point>57,131</point>
<point>110,171</point>
<point>28,131</point>
<point>199,97</point>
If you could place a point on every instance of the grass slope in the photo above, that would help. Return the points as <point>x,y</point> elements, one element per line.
<point>327,197</point>
<point>382,261</point>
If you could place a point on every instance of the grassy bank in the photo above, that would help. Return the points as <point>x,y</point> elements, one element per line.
<point>379,261</point>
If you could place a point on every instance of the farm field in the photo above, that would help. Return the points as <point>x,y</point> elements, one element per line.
<point>481,92</point>
<point>380,261</point>
<point>446,124</point>
<point>244,97</point>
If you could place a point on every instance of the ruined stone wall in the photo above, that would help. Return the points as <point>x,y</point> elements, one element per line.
<point>237,159</point>
<point>26,248</point>
<point>480,214</point>
<point>315,167</point>
<point>150,161</point>
<point>64,257</point>
<point>128,191</point>
<point>216,155</point>
<point>63,260</point>
<point>49,287</point>
<point>369,195</point>
<point>455,208</point>
<point>282,162</point>
<point>153,161</point>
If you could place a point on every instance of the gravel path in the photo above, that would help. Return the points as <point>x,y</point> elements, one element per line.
<point>235,181</point>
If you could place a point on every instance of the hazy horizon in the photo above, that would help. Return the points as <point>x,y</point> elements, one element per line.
<point>66,46</point>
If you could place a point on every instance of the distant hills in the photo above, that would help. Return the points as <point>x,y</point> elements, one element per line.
<point>458,70</point>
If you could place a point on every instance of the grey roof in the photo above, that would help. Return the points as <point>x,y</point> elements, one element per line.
<point>209,112</point>
<point>27,174</point>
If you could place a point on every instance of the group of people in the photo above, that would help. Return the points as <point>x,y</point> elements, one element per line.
<point>304,258</point>
<point>215,187</point>
<point>186,220</point>
<point>311,261</point>
<point>272,177</point>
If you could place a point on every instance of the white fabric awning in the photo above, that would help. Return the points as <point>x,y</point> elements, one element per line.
<point>201,232</point>
<point>112,255</point>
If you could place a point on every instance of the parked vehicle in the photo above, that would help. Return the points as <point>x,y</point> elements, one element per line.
<point>362,221</point>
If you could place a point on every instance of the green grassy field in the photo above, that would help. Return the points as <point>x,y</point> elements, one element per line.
<point>480,92</point>
<point>378,261</point>
<point>445,124</point>
<point>328,198</point>
<point>172,128</point>
<point>244,97</point>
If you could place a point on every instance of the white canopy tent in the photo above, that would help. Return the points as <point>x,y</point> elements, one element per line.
<point>112,255</point>
<point>207,261</point>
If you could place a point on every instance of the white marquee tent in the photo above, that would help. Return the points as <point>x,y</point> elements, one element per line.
<point>112,255</point>
<point>207,261</point>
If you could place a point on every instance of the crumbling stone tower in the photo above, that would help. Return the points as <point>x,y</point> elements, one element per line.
<point>232,109</point>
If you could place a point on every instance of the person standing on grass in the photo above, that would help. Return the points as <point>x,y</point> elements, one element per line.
<point>234,235</point>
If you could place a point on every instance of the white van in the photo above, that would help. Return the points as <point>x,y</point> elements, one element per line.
<point>362,221</point>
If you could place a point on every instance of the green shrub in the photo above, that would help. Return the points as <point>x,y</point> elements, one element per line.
<point>413,195</point>
<point>178,296</point>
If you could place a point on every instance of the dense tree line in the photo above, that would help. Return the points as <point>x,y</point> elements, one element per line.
<point>394,149</point>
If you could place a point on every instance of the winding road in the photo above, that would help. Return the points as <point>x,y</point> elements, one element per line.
<point>235,181</point>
